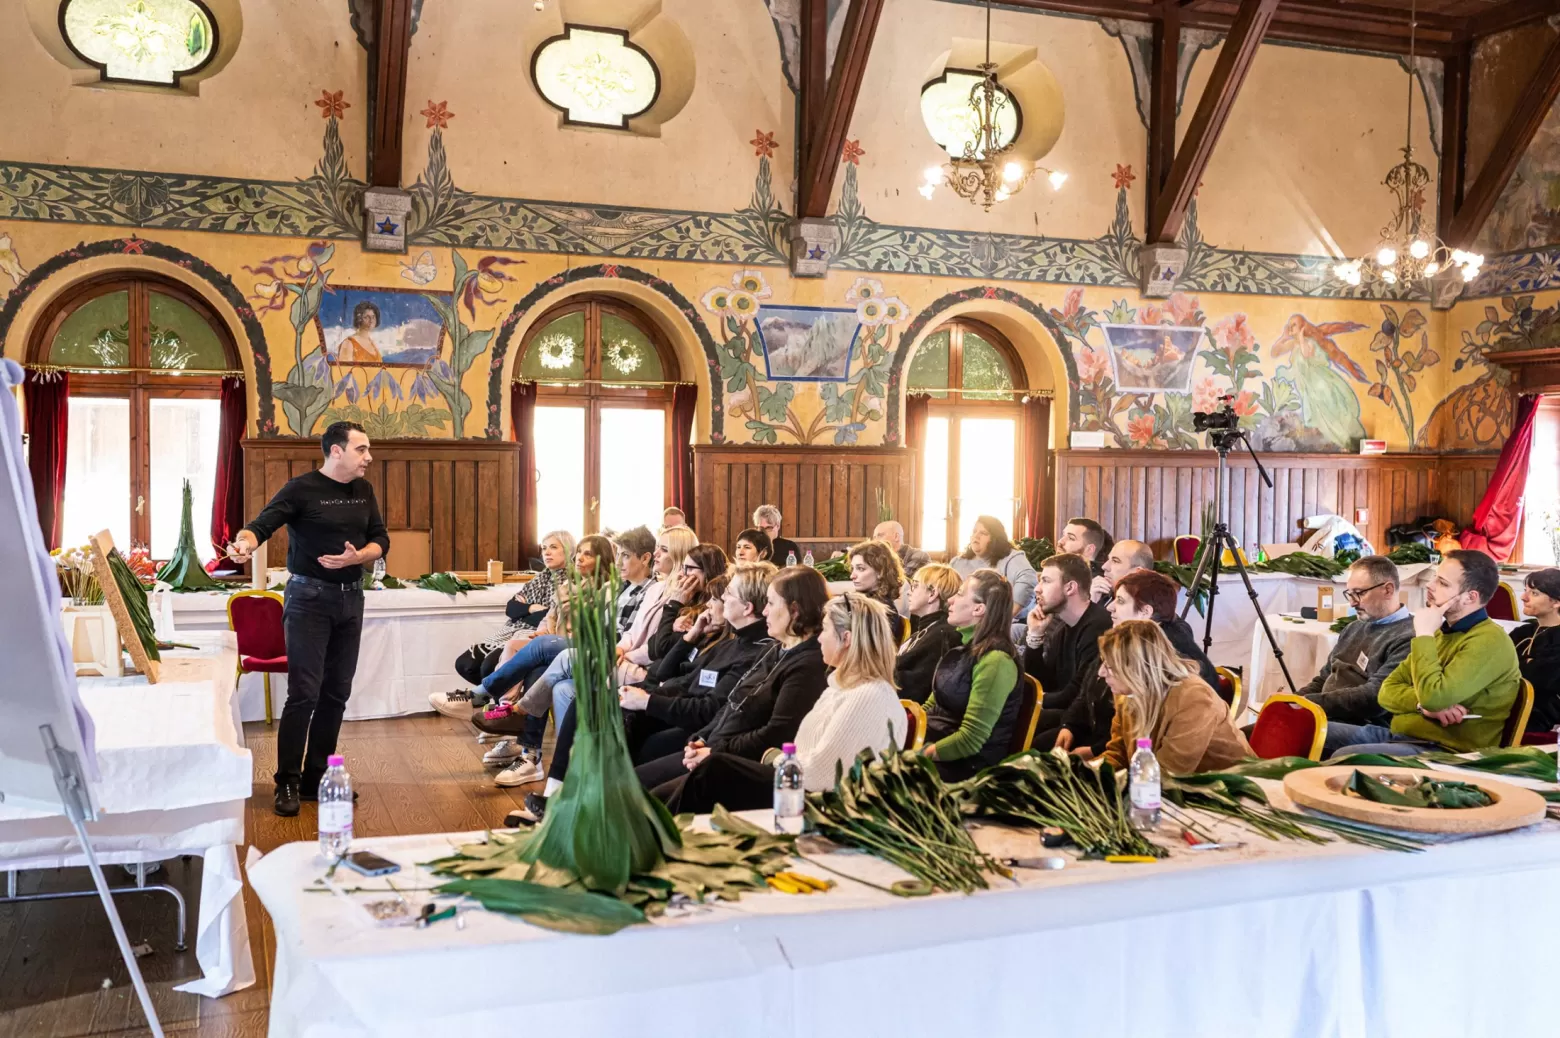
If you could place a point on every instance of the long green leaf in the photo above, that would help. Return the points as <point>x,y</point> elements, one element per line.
<point>567,911</point>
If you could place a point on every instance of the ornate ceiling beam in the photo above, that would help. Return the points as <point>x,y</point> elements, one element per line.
<point>1454,134</point>
<point>821,154</point>
<point>1162,90</point>
<point>392,43</point>
<point>1511,15</point>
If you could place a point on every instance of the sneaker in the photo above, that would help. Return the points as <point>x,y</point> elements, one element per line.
<point>287,798</point>
<point>536,805</point>
<point>506,753</point>
<point>523,771</point>
<point>521,816</point>
<point>456,705</point>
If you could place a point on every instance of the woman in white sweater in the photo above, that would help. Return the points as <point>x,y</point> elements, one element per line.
<point>858,710</point>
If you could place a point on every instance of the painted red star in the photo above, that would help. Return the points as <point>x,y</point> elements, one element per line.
<point>852,153</point>
<point>331,105</point>
<point>763,144</point>
<point>1123,176</point>
<point>438,115</point>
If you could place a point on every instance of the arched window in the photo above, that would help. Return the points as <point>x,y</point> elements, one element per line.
<point>140,41</point>
<point>603,416</point>
<point>146,359</point>
<point>970,458</point>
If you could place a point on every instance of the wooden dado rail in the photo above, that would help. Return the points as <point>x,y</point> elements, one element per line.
<point>1155,495</point>
<point>465,493</point>
<point>823,492</point>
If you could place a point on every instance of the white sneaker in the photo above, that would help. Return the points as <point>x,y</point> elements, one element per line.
<point>455,705</point>
<point>506,752</point>
<point>522,772</point>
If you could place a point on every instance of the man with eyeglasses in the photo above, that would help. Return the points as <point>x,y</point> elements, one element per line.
<point>1368,650</point>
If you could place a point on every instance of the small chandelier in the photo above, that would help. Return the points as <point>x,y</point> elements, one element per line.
<point>1407,252</point>
<point>985,174</point>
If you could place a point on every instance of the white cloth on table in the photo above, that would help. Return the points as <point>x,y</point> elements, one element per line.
<point>1339,933</point>
<point>1305,644</point>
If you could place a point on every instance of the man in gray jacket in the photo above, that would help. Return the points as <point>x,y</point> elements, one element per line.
<point>1368,650</point>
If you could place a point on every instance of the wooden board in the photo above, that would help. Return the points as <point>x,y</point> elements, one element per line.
<point>101,544</point>
<point>1322,789</point>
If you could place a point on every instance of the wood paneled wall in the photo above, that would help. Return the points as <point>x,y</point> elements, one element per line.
<point>826,493</point>
<point>466,494</point>
<point>1155,495</point>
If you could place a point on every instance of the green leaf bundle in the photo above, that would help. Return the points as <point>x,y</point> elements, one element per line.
<point>134,594</point>
<point>448,583</point>
<point>184,572</point>
<point>1409,552</point>
<point>1240,799</point>
<point>832,569</point>
<point>570,911</point>
<point>1426,792</point>
<point>1035,549</point>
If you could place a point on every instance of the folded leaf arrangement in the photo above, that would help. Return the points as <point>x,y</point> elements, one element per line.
<point>1426,792</point>
<point>448,583</point>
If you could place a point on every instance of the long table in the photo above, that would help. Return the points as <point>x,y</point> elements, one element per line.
<point>175,780</point>
<point>1266,939</point>
<point>411,638</point>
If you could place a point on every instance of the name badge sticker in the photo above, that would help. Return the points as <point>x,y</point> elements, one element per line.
<point>707,678</point>
<point>1363,661</point>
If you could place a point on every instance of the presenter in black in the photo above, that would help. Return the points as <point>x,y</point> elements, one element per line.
<point>333,530</point>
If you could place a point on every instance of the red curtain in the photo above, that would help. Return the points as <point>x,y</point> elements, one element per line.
<point>48,432</point>
<point>522,415</point>
<point>1037,442</point>
<point>1498,518</point>
<point>227,501</point>
<point>685,400</point>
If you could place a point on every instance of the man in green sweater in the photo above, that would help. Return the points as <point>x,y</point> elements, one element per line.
<point>1459,681</point>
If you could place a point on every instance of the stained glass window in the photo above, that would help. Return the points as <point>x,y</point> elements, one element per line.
<point>953,122</point>
<point>595,76</point>
<point>142,41</point>
<point>181,339</point>
<point>929,366</point>
<point>95,335</point>
<point>985,369</point>
<point>626,351</point>
<point>558,352</point>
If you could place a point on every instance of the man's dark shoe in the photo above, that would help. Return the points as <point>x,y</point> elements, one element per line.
<point>536,804</point>
<point>287,798</point>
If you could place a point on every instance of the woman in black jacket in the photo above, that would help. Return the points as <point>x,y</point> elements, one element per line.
<point>686,595</point>
<point>931,635</point>
<point>1538,648</point>
<point>767,705</point>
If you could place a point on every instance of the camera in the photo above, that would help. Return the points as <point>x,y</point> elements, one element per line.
<point>1224,418</point>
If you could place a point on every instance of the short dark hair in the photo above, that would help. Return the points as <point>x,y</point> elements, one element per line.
<point>337,434</point>
<point>365,307</point>
<point>1153,589</point>
<point>999,548</point>
<point>1074,568</point>
<point>637,541</point>
<point>805,593</point>
<point>1480,574</point>
<point>1379,569</point>
<point>1095,535</point>
<point>760,540</point>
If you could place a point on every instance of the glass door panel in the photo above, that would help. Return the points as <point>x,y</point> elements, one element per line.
<point>935,506</point>
<point>184,446</point>
<point>986,451</point>
<point>97,471</point>
<point>560,470</point>
<point>633,470</point>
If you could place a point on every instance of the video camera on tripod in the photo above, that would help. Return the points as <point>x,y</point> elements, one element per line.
<point>1221,425</point>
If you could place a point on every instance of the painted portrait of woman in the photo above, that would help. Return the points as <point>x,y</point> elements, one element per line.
<point>359,347</point>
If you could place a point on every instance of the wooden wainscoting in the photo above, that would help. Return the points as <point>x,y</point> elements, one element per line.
<point>1155,495</point>
<point>465,493</point>
<point>824,493</point>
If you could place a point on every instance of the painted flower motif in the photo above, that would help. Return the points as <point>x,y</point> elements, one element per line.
<point>1123,176</point>
<point>347,386</point>
<point>1072,302</point>
<point>383,383</point>
<point>1150,313</point>
<point>852,152</point>
<point>743,304</point>
<point>438,115</point>
<point>894,311</point>
<point>763,144</point>
<point>752,282</point>
<point>718,301</point>
<point>318,366</point>
<point>269,295</point>
<point>1206,393</point>
<point>1246,403</point>
<point>1184,309</point>
<point>441,370</point>
<point>331,105</point>
<point>1140,430</point>
<point>1093,365</point>
<point>1233,334</point>
<point>870,312</point>
<point>864,288</point>
<point>488,285</point>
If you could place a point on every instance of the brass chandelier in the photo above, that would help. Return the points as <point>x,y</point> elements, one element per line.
<point>1407,252</point>
<point>986,174</point>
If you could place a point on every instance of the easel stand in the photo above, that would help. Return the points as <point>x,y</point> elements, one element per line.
<point>72,786</point>
<point>1212,553</point>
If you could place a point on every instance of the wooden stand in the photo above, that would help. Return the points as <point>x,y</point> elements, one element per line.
<point>1323,790</point>
<point>101,544</point>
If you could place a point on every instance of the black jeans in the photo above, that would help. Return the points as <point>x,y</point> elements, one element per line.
<point>323,624</point>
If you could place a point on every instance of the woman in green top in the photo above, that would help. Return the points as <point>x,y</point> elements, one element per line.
<point>972,711</point>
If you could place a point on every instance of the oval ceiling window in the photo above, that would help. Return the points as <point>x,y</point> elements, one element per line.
<point>952,121</point>
<point>140,41</point>
<point>595,77</point>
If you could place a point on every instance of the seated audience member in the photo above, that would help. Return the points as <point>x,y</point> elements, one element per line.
<point>893,535</point>
<point>1059,641</point>
<point>1124,557</point>
<point>753,546</point>
<point>767,705</point>
<point>633,650</point>
<point>1160,697</point>
<point>876,573</point>
<point>858,710</point>
<point>972,712</point>
<point>989,548</point>
<point>1146,595</point>
<point>1368,649</point>
<point>672,518</point>
<point>931,635</point>
<point>1459,681</point>
<point>1087,538</point>
<point>685,596</point>
<point>1538,646</point>
<point>781,549</point>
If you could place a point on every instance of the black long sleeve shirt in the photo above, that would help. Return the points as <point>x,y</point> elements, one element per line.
<point>322,516</point>
<point>1067,656</point>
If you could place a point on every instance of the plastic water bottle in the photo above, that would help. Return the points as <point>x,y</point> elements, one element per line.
<point>790,558</point>
<point>379,574</point>
<point>807,560</point>
<point>1144,786</point>
<point>790,792</point>
<point>335,810</point>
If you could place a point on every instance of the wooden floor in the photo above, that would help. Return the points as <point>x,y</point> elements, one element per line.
<point>60,974</point>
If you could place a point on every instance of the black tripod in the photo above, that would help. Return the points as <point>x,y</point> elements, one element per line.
<point>1223,439</point>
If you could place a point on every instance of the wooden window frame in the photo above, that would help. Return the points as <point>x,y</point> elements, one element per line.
<point>593,395</point>
<point>135,384</point>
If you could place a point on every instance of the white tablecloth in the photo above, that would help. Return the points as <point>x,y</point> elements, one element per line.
<point>175,779</point>
<point>1341,935</point>
<point>411,638</point>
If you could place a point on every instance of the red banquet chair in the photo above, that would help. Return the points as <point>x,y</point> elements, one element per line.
<point>1289,726</point>
<point>1502,604</point>
<point>1186,547</point>
<point>255,617</point>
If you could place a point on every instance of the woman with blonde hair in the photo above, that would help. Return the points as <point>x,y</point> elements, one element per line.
<point>875,571</point>
<point>931,635</point>
<point>671,548</point>
<point>1160,697</point>
<point>858,710</point>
